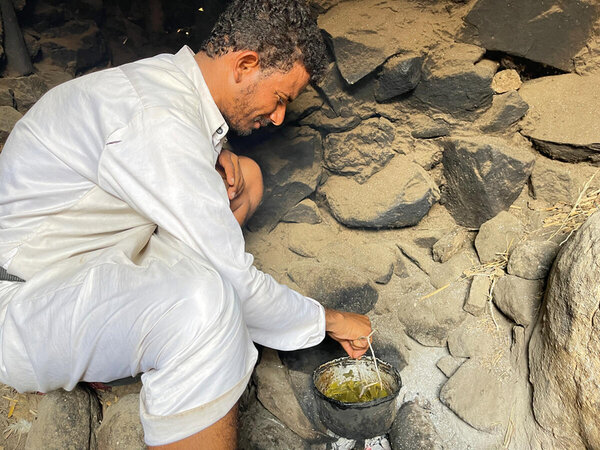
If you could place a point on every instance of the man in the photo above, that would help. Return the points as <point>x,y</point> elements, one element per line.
<point>129,239</point>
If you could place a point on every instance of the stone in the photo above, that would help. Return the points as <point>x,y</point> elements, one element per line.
<point>478,295</point>
<point>429,318</point>
<point>289,176</point>
<point>306,103</point>
<point>456,80</point>
<point>453,269</point>
<point>335,286</point>
<point>507,109</point>
<point>121,426</point>
<point>563,125</point>
<point>26,90</point>
<point>413,429</point>
<point>486,337</point>
<point>425,127</point>
<point>363,35</point>
<point>8,118</point>
<point>519,298</point>
<point>319,120</point>
<point>564,351</point>
<point>550,32</point>
<point>484,175</point>
<point>425,153</point>
<point>399,75</point>
<point>65,421</point>
<point>7,97</point>
<point>451,244</point>
<point>555,181</point>
<point>449,364</point>
<point>274,391</point>
<point>304,212</point>
<point>417,255</point>
<point>308,240</point>
<point>479,396</point>
<point>76,46</point>
<point>532,259</point>
<point>261,430</point>
<point>399,195</point>
<point>498,236</point>
<point>506,80</point>
<point>376,261</point>
<point>33,45</point>
<point>362,151</point>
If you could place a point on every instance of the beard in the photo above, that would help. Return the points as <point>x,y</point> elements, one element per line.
<point>237,117</point>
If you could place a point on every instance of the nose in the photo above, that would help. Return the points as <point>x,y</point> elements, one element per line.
<point>278,115</point>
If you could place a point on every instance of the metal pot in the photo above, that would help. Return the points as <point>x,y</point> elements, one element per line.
<point>356,420</point>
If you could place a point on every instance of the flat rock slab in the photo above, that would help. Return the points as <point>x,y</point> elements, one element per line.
<point>485,175</point>
<point>335,286</point>
<point>565,120</point>
<point>564,351</point>
<point>365,34</point>
<point>549,32</point>
<point>398,196</point>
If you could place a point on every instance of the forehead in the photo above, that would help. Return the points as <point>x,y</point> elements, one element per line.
<point>291,82</point>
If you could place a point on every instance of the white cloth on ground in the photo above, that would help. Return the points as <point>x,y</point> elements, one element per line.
<point>85,177</point>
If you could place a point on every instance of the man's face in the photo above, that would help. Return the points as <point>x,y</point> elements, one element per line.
<point>262,98</point>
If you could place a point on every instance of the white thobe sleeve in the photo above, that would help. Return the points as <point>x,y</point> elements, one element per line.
<point>164,168</point>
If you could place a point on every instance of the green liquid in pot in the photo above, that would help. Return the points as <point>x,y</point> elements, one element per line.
<point>350,391</point>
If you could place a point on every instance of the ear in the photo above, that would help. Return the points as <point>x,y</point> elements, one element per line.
<point>245,63</point>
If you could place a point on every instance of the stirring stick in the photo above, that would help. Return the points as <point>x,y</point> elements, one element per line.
<point>376,366</point>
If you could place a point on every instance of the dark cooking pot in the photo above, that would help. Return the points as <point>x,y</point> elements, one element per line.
<point>357,420</point>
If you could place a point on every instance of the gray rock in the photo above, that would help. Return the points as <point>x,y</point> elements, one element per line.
<point>335,286</point>
<point>8,118</point>
<point>121,426</point>
<point>425,127</point>
<point>453,269</point>
<point>564,351</point>
<point>261,430</point>
<point>65,421</point>
<point>506,110</point>
<point>289,177</point>
<point>306,103</point>
<point>26,90</point>
<point>399,195</point>
<point>362,151</point>
<point>400,74</point>
<point>426,153</point>
<point>304,212</point>
<point>76,46</point>
<point>478,337</point>
<point>532,259</point>
<point>519,298</point>
<point>484,175</point>
<point>321,121</point>
<point>308,240</point>
<point>456,80</point>
<point>563,127</point>
<point>450,245</point>
<point>479,396</point>
<point>498,236</point>
<point>274,391</point>
<point>413,429</point>
<point>555,181</point>
<point>376,261</point>
<point>549,32</point>
<point>478,295</point>
<point>365,34</point>
<point>449,364</point>
<point>7,97</point>
<point>429,318</point>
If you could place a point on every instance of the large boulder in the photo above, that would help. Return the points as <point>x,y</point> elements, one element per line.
<point>485,175</point>
<point>549,32</point>
<point>398,196</point>
<point>564,351</point>
<point>564,125</point>
<point>362,151</point>
<point>456,80</point>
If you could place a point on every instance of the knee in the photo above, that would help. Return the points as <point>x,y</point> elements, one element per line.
<point>247,202</point>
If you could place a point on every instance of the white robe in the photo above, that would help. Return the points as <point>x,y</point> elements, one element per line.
<point>112,211</point>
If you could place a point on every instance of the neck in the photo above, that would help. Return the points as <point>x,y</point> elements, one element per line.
<point>215,75</point>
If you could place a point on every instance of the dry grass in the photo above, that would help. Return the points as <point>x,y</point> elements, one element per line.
<point>569,219</point>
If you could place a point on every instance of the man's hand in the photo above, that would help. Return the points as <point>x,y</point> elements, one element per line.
<point>349,329</point>
<point>228,166</point>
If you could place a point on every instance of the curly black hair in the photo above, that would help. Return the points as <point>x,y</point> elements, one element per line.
<point>282,32</point>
